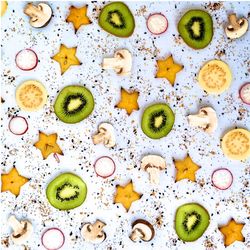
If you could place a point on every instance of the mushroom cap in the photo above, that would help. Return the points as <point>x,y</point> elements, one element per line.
<point>153,161</point>
<point>89,236</point>
<point>234,31</point>
<point>213,120</point>
<point>127,58</point>
<point>110,133</point>
<point>41,18</point>
<point>145,229</point>
<point>20,238</point>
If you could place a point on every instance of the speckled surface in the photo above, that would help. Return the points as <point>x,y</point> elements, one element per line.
<point>158,203</point>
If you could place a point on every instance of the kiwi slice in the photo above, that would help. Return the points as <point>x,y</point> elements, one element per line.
<point>191,221</point>
<point>73,104</point>
<point>157,120</point>
<point>66,191</point>
<point>196,28</point>
<point>117,19</point>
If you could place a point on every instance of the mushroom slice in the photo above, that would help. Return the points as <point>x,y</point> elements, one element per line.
<point>153,164</point>
<point>237,27</point>
<point>121,63</point>
<point>142,230</point>
<point>206,119</point>
<point>22,230</point>
<point>105,135</point>
<point>40,15</point>
<point>93,232</point>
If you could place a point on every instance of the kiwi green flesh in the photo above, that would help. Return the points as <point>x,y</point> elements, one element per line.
<point>117,19</point>
<point>66,191</point>
<point>157,120</point>
<point>191,221</point>
<point>196,28</point>
<point>73,104</point>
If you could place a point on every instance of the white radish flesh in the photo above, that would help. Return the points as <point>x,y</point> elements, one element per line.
<point>53,239</point>
<point>245,93</point>
<point>222,178</point>
<point>104,167</point>
<point>18,125</point>
<point>26,59</point>
<point>157,23</point>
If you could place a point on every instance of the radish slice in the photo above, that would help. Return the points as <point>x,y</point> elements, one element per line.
<point>26,59</point>
<point>222,178</point>
<point>56,157</point>
<point>157,23</point>
<point>245,93</point>
<point>18,125</point>
<point>53,239</point>
<point>104,167</point>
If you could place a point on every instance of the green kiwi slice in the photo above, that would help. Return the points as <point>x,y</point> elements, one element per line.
<point>117,19</point>
<point>73,104</point>
<point>157,120</point>
<point>191,221</point>
<point>196,28</point>
<point>66,191</point>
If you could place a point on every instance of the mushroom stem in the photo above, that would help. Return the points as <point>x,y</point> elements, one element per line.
<point>113,63</point>
<point>234,21</point>
<point>32,10</point>
<point>201,119</point>
<point>99,138</point>
<point>153,174</point>
<point>136,235</point>
<point>15,224</point>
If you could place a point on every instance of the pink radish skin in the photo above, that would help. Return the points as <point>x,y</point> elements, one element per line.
<point>53,239</point>
<point>157,23</point>
<point>245,93</point>
<point>104,167</point>
<point>222,178</point>
<point>26,59</point>
<point>18,125</point>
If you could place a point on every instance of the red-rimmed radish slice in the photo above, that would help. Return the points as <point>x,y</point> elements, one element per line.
<point>104,167</point>
<point>26,59</point>
<point>18,125</point>
<point>53,239</point>
<point>157,23</point>
<point>245,93</point>
<point>222,178</point>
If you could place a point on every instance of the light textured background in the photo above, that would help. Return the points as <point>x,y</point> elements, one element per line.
<point>75,140</point>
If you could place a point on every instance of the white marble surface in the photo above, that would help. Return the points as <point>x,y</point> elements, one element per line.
<point>79,152</point>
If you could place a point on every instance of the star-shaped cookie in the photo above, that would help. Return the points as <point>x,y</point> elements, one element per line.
<point>186,169</point>
<point>13,182</point>
<point>47,144</point>
<point>232,232</point>
<point>126,195</point>
<point>128,101</point>
<point>78,16</point>
<point>66,57</point>
<point>168,69</point>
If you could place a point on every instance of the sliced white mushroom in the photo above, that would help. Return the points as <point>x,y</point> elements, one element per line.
<point>121,62</point>
<point>153,164</point>
<point>22,230</point>
<point>236,27</point>
<point>142,230</point>
<point>105,135</point>
<point>40,15</point>
<point>93,232</point>
<point>206,119</point>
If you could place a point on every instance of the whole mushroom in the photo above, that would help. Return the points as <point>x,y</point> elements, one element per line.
<point>22,230</point>
<point>236,27</point>
<point>40,15</point>
<point>153,164</point>
<point>105,135</point>
<point>121,62</point>
<point>142,230</point>
<point>206,119</point>
<point>93,232</point>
